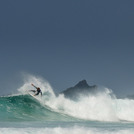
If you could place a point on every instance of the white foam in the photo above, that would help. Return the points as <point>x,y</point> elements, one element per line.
<point>101,107</point>
<point>59,130</point>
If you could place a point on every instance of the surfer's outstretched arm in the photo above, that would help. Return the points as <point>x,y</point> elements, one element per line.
<point>34,86</point>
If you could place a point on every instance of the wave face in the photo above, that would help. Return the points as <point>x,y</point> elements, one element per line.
<point>26,108</point>
<point>100,107</point>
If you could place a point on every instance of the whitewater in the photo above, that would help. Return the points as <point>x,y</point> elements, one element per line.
<point>99,113</point>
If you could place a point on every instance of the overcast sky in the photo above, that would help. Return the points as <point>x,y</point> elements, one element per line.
<point>67,41</point>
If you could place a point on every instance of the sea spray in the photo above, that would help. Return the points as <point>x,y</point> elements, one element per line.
<point>38,81</point>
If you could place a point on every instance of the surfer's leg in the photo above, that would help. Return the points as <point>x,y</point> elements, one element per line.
<point>36,93</point>
<point>33,91</point>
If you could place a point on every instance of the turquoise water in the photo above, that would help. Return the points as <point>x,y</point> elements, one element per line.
<point>26,108</point>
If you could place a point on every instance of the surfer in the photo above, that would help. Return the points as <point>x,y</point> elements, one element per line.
<point>38,90</point>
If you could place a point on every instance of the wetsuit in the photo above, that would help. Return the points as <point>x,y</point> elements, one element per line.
<point>38,91</point>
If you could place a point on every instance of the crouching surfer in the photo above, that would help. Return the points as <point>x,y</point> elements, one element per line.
<point>37,91</point>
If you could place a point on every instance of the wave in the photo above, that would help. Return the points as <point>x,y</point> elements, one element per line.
<point>101,106</point>
<point>26,108</point>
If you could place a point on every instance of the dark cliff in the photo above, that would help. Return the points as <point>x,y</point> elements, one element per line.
<point>82,88</point>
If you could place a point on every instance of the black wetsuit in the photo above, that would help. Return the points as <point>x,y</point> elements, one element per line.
<point>38,91</point>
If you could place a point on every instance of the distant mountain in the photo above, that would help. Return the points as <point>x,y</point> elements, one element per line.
<point>130,96</point>
<point>82,88</point>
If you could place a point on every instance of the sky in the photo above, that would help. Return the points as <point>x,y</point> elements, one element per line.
<point>68,41</point>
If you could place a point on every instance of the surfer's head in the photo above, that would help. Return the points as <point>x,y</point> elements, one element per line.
<point>38,88</point>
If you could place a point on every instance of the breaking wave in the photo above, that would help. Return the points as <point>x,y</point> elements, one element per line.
<point>100,107</point>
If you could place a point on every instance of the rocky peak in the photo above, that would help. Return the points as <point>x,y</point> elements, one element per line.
<point>82,84</point>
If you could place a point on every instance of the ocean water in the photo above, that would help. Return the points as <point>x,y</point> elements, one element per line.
<point>101,113</point>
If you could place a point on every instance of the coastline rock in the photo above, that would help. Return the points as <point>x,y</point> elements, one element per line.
<point>82,88</point>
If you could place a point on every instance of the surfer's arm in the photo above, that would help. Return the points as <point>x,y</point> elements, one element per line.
<point>34,86</point>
